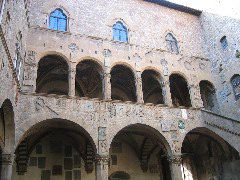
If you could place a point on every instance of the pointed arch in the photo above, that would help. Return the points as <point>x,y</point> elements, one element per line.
<point>120,32</point>
<point>58,20</point>
<point>172,43</point>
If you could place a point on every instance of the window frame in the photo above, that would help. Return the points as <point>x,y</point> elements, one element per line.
<point>124,30</point>
<point>224,43</point>
<point>172,42</point>
<point>66,19</point>
<point>235,79</point>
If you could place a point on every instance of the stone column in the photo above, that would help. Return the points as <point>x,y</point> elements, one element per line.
<point>195,96</point>
<point>175,162</point>
<point>102,167</point>
<point>139,90</point>
<point>107,86</point>
<point>167,93</point>
<point>71,81</point>
<point>6,162</point>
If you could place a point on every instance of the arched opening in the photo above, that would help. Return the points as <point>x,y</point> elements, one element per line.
<point>89,79</point>
<point>123,84</point>
<point>120,32</point>
<point>7,126</point>
<point>152,90</point>
<point>172,43</point>
<point>58,20</point>
<point>208,95</point>
<point>119,176</point>
<point>207,156</point>
<point>52,75</point>
<point>55,149</point>
<point>179,91</point>
<point>235,81</point>
<point>141,153</point>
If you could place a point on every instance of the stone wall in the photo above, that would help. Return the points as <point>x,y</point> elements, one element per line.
<point>225,64</point>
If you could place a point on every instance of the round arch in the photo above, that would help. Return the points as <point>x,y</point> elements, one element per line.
<point>41,55</point>
<point>92,58</point>
<point>52,75</point>
<point>89,79</point>
<point>123,83</point>
<point>7,126</point>
<point>56,123</point>
<point>55,138</point>
<point>179,90</point>
<point>208,95</point>
<point>122,63</point>
<point>153,132</point>
<point>152,87</point>
<point>137,146</point>
<point>204,150</point>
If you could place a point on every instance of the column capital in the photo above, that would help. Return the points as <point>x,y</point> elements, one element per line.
<point>100,159</point>
<point>175,159</point>
<point>6,159</point>
<point>72,70</point>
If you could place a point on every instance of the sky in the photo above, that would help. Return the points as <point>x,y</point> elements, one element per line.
<point>221,7</point>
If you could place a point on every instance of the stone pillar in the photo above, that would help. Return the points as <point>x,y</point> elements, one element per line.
<point>195,96</point>
<point>107,86</point>
<point>102,167</point>
<point>175,162</point>
<point>6,162</point>
<point>139,90</point>
<point>167,93</point>
<point>71,81</point>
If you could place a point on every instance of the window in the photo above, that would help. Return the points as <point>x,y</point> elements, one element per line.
<point>58,20</point>
<point>172,43</point>
<point>224,42</point>
<point>235,80</point>
<point>120,32</point>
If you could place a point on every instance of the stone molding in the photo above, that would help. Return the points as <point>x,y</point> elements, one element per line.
<point>102,159</point>
<point>6,159</point>
<point>175,159</point>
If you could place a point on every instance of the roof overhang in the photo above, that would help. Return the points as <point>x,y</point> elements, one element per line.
<point>177,7</point>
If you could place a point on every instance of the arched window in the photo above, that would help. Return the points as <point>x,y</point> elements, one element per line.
<point>208,95</point>
<point>58,20</point>
<point>120,32</point>
<point>235,80</point>
<point>224,42</point>
<point>172,43</point>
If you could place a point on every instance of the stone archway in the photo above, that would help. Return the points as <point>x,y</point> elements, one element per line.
<point>179,91</point>
<point>7,136</point>
<point>89,79</point>
<point>151,86</point>
<point>140,151</point>
<point>7,126</point>
<point>52,75</point>
<point>207,156</point>
<point>123,85</point>
<point>55,148</point>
